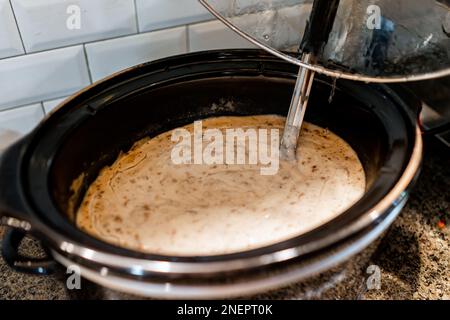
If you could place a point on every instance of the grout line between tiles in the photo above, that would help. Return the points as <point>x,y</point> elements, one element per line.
<point>13,56</point>
<point>136,16</point>
<point>42,107</point>
<point>17,25</point>
<point>35,102</point>
<point>57,98</point>
<point>90,42</point>
<point>19,106</point>
<point>87,63</point>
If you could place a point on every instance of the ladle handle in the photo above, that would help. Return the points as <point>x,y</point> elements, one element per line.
<point>297,110</point>
<point>319,26</point>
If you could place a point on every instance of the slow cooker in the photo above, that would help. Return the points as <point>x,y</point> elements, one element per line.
<point>89,130</point>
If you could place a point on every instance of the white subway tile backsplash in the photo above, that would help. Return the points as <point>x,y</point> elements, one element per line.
<point>215,35</point>
<point>47,24</point>
<point>42,76</point>
<point>52,104</point>
<point>10,43</point>
<point>16,122</point>
<point>158,14</point>
<point>109,56</point>
<point>106,42</point>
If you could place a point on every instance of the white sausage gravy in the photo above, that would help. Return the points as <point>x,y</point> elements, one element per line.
<point>147,203</point>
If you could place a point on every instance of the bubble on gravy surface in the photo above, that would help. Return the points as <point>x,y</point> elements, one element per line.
<point>146,203</point>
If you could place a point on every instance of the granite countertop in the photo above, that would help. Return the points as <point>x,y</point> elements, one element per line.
<point>414,256</point>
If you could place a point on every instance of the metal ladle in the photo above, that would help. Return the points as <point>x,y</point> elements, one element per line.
<point>297,111</point>
<point>316,35</point>
<point>380,41</point>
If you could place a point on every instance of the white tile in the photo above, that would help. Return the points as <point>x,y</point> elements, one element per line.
<point>52,104</point>
<point>10,43</point>
<point>158,14</point>
<point>42,76</point>
<point>215,35</point>
<point>15,123</point>
<point>47,24</point>
<point>109,56</point>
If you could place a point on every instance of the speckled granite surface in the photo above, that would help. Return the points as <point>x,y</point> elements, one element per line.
<point>414,256</point>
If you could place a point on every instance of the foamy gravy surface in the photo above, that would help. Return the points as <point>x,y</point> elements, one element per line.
<point>146,203</point>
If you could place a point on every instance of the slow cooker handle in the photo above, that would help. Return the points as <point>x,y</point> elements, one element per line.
<point>13,215</point>
<point>12,205</point>
<point>10,252</point>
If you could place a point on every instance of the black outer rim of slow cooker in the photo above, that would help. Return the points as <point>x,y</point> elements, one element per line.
<point>257,62</point>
